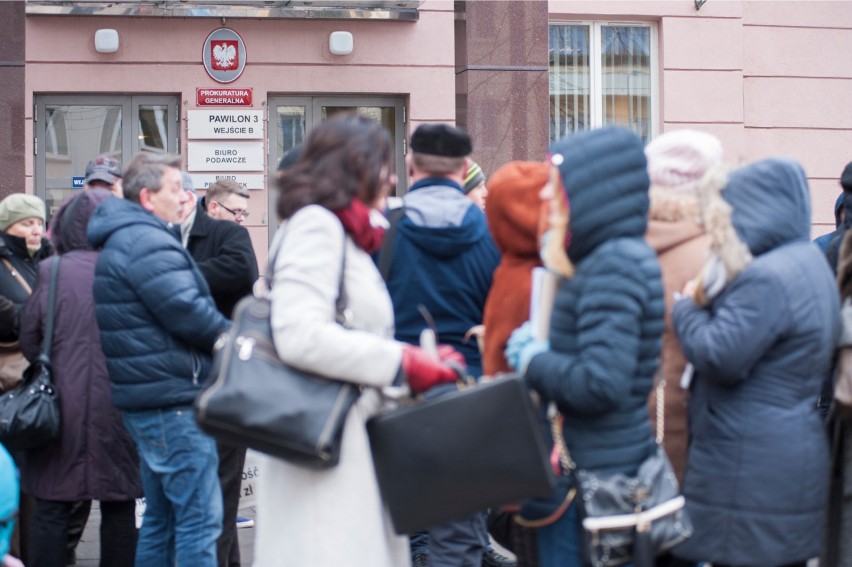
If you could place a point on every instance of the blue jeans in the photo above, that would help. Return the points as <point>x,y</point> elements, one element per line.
<point>559,543</point>
<point>178,462</point>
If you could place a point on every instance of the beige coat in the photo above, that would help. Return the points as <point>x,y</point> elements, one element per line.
<point>681,247</point>
<point>331,517</point>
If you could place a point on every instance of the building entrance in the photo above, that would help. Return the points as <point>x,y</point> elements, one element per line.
<point>70,130</point>
<point>292,117</point>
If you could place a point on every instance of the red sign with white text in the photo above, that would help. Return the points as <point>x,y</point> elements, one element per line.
<point>223,97</point>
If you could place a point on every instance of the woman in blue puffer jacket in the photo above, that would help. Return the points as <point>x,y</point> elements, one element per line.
<point>760,334</point>
<point>607,316</point>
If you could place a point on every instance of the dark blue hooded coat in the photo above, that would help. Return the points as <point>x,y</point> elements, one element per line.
<point>157,320</point>
<point>443,258</point>
<point>608,319</point>
<point>757,467</point>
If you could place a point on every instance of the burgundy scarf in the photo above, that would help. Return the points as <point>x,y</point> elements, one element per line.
<point>356,222</point>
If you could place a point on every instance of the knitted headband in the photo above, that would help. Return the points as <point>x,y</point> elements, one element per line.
<point>473,177</point>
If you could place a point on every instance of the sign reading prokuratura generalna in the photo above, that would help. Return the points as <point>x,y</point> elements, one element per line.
<point>224,55</point>
<point>223,97</point>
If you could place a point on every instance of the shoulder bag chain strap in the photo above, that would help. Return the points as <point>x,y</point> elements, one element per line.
<point>556,420</point>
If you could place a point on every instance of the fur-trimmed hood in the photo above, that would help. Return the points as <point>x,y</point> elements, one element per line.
<point>771,204</point>
<point>764,205</point>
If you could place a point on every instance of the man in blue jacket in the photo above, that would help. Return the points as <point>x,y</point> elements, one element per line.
<point>443,258</point>
<point>158,324</point>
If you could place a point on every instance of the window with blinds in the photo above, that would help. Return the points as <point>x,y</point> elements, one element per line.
<point>602,74</point>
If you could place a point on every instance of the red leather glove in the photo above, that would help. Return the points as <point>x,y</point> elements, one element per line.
<point>423,371</point>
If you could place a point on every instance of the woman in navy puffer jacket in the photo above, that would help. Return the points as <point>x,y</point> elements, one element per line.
<point>760,335</point>
<point>607,318</point>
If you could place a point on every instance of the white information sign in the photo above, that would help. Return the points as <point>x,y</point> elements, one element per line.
<point>224,124</point>
<point>225,156</point>
<point>251,470</point>
<point>246,180</point>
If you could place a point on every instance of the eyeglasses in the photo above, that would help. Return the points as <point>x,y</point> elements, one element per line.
<point>237,214</point>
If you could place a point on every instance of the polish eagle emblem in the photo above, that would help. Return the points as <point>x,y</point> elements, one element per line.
<point>224,55</point>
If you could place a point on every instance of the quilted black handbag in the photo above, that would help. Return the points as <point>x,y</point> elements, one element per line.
<point>29,413</point>
<point>253,399</point>
<point>628,518</point>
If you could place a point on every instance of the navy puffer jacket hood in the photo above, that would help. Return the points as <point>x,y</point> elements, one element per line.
<point>605,176</point>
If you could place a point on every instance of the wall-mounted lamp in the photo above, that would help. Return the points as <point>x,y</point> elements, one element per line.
<point>698,4</point>
<point>106,41</point>
<point>340,43</point>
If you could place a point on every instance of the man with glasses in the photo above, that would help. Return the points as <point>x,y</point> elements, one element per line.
<point>224,255</point>
<point>227,200</point>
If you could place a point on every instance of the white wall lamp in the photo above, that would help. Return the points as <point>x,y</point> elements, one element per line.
<point>340,43</point>
<point>106,41</point>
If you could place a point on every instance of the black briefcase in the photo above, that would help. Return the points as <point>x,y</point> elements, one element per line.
<point>461,453</point>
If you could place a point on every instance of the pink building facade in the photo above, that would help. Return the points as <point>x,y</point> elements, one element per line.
<point>768,78</point>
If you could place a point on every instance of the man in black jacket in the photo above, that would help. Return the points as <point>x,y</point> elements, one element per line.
<point>225,257</point>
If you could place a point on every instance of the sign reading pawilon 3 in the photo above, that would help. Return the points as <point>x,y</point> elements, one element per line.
<point>225,124</point>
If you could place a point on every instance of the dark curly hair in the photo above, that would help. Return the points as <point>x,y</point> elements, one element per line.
<point>342,159</point>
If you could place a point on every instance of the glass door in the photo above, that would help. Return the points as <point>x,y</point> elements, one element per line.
<point>389,112</point>
<point>292,118</point>
<point>71,130</point>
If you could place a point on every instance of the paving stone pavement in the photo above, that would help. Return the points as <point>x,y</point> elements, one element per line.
<point>88,552</point>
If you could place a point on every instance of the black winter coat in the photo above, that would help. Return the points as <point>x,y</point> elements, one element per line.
<point>14,249</point>
<point>224,254</point>
<point>94,458</point>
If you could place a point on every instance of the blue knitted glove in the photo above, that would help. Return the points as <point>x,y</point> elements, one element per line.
<point>522,346</point>
<point>531,349</point>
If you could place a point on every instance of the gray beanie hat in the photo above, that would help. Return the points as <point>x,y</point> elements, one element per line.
<point>17,207</point>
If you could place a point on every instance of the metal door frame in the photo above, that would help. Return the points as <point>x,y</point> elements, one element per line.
<point>129,132</point>
<point>313,105</point>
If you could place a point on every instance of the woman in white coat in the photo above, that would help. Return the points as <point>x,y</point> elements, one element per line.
<point>334,517</point>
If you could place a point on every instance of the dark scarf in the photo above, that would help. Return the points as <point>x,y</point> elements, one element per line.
<point>833,251</point>
<point>356,222</point>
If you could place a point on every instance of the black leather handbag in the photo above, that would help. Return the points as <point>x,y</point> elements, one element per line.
<point>29,413</point>
<point>626,519</point>
<point>454,455</point>
<point>253,399</point>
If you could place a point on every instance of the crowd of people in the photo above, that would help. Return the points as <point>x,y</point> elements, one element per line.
<point>673,273</point>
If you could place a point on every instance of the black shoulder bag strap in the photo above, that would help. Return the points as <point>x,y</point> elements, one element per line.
<point>47,341</point>
<point>340,316</point>
<point>386,253</point>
